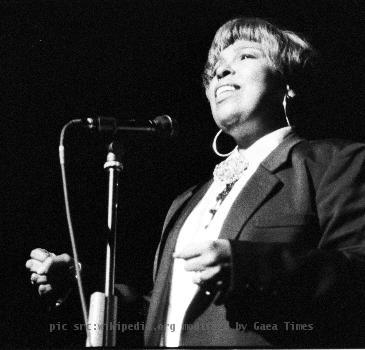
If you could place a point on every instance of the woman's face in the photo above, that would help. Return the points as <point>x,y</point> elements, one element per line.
<point>245,90</point>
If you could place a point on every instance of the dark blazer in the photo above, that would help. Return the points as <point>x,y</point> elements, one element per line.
<point>297,232</point>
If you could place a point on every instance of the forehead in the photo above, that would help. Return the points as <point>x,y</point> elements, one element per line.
<point>238,46</point>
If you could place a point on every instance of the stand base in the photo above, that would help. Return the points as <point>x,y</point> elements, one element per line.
<point>101,333</point>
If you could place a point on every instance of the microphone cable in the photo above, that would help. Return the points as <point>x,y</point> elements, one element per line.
<point>69,223</point>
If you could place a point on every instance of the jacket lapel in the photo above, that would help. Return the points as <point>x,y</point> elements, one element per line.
<point>164,262</point>
<point>196,191</point>
<point>178,207</point>
<point>260,185</point>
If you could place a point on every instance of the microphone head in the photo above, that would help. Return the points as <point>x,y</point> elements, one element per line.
<point>166,126</point>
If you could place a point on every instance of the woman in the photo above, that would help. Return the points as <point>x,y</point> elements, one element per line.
<point>270,251</point>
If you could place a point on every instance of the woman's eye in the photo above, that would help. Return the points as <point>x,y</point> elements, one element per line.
<point>246,56</point>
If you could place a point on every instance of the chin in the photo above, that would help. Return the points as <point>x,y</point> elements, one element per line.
<point>227,121</point>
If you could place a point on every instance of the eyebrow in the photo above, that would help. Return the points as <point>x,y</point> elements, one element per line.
<point>238,48</point>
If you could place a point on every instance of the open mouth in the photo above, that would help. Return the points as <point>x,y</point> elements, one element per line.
<point>225,90</point>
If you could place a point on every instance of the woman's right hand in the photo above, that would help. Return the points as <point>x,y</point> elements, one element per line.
<point>52,274</point>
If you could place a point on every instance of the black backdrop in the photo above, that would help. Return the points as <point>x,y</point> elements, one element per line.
<point>129,59</point>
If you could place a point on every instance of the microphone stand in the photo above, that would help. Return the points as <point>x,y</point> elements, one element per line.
<point>113,166</point>
<point>103,307</point>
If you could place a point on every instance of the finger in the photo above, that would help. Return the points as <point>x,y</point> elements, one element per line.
<point>33,277</point>
<point>53,262</point>
<point>45,266</point>
<point>207,275</point>
<point>39,254</point>
<point>200,263</point>
<point>210,273</point>
<point>193,250</point>
<point>38,279</point>
<point>44,289</point>
<point>33,265</point>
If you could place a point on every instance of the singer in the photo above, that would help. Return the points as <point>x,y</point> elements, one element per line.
<point>271,251</point>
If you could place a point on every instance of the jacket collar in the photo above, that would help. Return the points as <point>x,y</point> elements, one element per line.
<point>280,154</point>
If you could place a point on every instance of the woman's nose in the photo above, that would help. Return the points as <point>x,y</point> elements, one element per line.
<point>224,70</point>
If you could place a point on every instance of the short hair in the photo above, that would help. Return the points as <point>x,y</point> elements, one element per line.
<point>286,51</point>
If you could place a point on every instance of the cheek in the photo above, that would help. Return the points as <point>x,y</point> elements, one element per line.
<point>265,88</point>
<point>261,73</point>
<point>257,79</point>
<point>210,96</point>
<point>209,93</point>
<point>272,81</point>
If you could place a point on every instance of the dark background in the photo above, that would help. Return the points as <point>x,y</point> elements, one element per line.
<point>129,59</point>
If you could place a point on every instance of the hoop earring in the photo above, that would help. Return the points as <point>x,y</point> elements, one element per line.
<point>214,146</point>
<point>285,113</point>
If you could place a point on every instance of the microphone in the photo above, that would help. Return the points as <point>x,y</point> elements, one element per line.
<point>163,125</point>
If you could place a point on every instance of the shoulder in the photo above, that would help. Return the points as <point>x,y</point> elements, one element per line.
<point>330,160</point>
<point>326,151</point>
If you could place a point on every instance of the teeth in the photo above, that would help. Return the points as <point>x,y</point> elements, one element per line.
<point>224,88</point>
